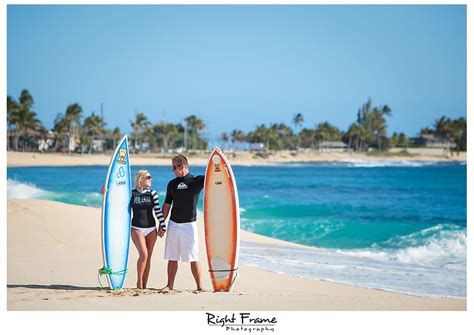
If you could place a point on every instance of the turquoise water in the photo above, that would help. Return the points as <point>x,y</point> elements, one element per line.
<point>397,226</point>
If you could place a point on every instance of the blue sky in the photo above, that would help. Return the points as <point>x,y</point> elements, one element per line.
<point>239,66</point>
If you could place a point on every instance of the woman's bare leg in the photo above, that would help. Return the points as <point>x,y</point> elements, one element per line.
<point>140,242</point>
<point>150,240</point>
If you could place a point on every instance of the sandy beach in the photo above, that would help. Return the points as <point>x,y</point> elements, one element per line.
<point>16,159</point>
<point>54,251</point>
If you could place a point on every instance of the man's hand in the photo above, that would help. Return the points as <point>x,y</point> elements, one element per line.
<point>161,232</point>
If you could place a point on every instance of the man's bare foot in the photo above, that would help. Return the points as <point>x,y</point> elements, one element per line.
<point>166,290</point>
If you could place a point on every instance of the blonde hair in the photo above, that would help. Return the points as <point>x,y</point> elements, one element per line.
<point>139,177</point>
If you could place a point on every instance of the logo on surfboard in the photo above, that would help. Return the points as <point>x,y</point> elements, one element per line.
<point>217,162</point>
<point>122,154</point>
<point>121,173</point>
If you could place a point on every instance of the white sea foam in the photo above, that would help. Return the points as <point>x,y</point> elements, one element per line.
<point>433,266</point>
<point>437,252</point>
<point>19,190</point>
<point>428,247</point>
<point>385,163</point>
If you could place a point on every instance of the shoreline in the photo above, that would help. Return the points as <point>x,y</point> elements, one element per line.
<point>63,254</point>
<point>30,159</point>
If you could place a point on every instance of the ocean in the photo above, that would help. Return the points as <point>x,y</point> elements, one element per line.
<point>391,225</point>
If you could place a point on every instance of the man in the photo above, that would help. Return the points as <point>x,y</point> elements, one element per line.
<point>182,233</point>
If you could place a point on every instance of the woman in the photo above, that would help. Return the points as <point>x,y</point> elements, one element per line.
<point>143,202</point>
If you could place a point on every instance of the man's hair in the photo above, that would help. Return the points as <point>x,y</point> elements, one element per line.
<point>181,159</point>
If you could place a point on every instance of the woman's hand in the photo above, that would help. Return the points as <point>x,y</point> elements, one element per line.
<point>103,189</point>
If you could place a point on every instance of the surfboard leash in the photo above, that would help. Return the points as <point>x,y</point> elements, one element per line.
<point>233,279</point>
<point>224,270</point>
<point>108,271</point>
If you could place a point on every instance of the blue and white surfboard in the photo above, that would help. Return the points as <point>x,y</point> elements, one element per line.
<point>116,216</point>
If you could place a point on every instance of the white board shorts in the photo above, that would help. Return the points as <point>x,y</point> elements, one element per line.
<point>182,242</point>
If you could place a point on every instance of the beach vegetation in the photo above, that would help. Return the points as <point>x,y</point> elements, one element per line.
<point>196,126</point>
<point>67,128</point>
<point>377,153</point>
<point>370,129</point>
<point>453,130</point>
<point>93,127</point>
<point>400,140</point>
<point>368,133</point>
<point>139,127</point>
<point>21,120</point>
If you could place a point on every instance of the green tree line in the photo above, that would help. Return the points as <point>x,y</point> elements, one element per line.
<point>368,131</point>
<point>23,123</point>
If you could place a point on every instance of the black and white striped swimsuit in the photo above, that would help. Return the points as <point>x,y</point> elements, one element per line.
<point>143,203</point>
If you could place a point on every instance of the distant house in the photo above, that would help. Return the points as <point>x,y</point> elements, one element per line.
<point>44,144</point>
<point>97,144</point>
<point>32,140</point>
<point>332,146</point>
<point>428,144</point>
<point>432,141</point>
<point>258,147</point>
<point>73,142</point>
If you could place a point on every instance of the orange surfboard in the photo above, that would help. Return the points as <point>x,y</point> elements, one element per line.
<point>221,221</point>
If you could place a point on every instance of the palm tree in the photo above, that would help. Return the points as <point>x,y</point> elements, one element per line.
<point>196,125</point>
<point>441,126</point>
<point>150,138</point>
<point>27,120</point>
<point>139,125</point>
<point>326,132</point>
<point>166,132</point>
<point>72,122</point>
<point>224,138</point>
<point>379,127</point>
<point>12,116</point>
<point>402,140</point>
<point>306,138</point>
<point>21,116</point>
<point>386,110</point>
<point>237,136</point>
<point>283,136</point>
<point>116,135</point>
<point>92,127</point>
<point>426,131</point>
<point>262,134</point>
<point>297,120</point>
<point>60,130</point>
<point>354,136</point>
<point>372,124</point>
<point>457,131</point>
